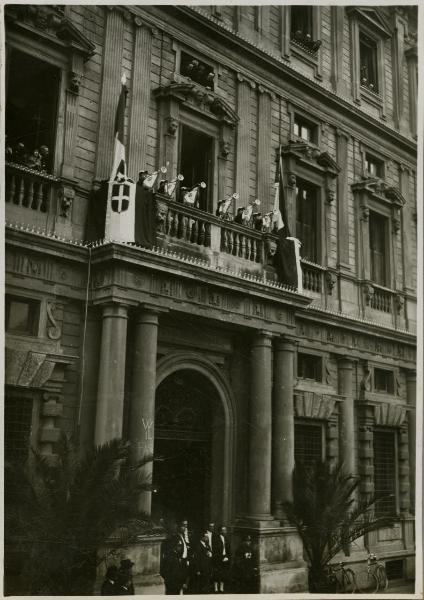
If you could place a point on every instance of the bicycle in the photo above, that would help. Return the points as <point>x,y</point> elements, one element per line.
<point>343,579</point>
<point>376,575</point>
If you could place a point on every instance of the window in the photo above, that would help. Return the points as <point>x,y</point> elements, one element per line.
<point>301,22</point>
<point>196,162</point>
<point>385,471</point>
<point>378,248</point>
<point>368,63</point>
<point>309,367</point>
<point>374,167</point>
<point>383,381</point>
<point>394,569</point>
<point>197,70</point>
<point>308,443</point>
<point>17,428</point>
<point>307,220</point>
<point>21,315</point>
<point>304,129</point>
<point>31,108</point>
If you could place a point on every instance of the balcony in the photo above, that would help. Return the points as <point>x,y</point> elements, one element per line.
<point>30,195</point>
<point>222,242</point>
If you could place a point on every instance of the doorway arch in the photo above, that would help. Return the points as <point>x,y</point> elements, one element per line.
<point>192,367</point>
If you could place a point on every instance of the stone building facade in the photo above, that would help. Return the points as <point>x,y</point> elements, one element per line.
<point>193,347</point>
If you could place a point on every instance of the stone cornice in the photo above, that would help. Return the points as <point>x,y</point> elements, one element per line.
<point>258,56</point>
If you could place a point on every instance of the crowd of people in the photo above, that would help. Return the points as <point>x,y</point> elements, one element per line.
<point>207,564</point>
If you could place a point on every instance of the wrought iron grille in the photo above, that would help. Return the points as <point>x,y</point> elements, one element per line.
<point>18,419</point>
<point>385,471</point>
<point>308,447</point>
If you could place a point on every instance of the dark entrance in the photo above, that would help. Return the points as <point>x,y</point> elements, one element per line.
<point>182,475</point>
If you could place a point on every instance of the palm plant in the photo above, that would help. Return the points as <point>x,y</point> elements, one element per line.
<point>327,515</point>
<point>59,514</point>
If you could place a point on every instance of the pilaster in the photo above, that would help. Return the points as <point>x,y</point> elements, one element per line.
<point>342,196</point>
<point>111,85</point>
<point>264,149</point>
<point>244,88</point>
<point>411,392</point>
<point>412,59</point>
<point>337,37</point>
<point>347,415</point>
<point>140,98</point>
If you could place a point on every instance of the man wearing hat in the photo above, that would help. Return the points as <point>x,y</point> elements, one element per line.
<point>125,584</point>
<point>109,585</point>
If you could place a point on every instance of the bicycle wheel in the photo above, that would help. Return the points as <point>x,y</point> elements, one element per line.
<point>383,582</point>
<point>349,582</point>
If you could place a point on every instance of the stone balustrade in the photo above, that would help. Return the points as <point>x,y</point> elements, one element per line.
<point>28,188</point>
<point>313,276</point>
<point>382,299</point>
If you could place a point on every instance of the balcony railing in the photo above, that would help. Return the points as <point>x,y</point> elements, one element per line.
<point>382,299</point>
<point>28,188</point>
<point>313,276</point>
<point>201,229</point>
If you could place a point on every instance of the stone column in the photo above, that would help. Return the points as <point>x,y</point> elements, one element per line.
<point>411,391</point>
<point>347,415</point>
<point>142,412</point>
<point>111,385</point>
<point>412,59</point>
<point>283,425</point>
<point>260,428</point>
<point>244,88</point>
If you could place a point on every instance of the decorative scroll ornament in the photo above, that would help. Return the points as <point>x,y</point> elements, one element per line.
<point>54,331</point>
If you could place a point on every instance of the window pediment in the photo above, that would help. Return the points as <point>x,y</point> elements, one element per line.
<point>303,152</point>
<point>378,190</point>
<point>199,98</point>
<point>372,17</point>
<point>49,22</point>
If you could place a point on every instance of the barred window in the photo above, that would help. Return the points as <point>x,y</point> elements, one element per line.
<point>385,471</point>
<point>17,428</point>
<point>308,443</point>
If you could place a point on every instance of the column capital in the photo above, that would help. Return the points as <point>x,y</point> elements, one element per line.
<point>286,343</point>
<point>345,362</point>
<point>149,313</point>
<point>262,338</point>
<point>411,375</point>
<point>115,309</point>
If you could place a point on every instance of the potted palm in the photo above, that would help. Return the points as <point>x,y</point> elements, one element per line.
<point>328,516</point>
<point>59,513</point>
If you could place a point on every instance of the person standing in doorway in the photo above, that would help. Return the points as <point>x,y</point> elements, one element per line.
<point>221,555</point>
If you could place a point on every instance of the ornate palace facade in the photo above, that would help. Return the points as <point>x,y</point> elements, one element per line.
<point>192,346</point>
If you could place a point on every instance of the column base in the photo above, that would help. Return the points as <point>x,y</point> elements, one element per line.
<point>145,554</point>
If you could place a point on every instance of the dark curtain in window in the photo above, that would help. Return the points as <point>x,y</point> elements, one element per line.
<point>368,61</point>
<point>377,232</point>
<point>306,221</point>
<point>301,20</point>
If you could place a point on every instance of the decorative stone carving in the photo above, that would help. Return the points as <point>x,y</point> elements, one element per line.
<point>161,214</point>
<point>390,415</point>
<point>224,147</point>
<point>313,405</point>
<point>330,195</point>
<point>74,82</point>
<point>54,331</point>
<point>330,280</point>
<point>365,213</point>
<point>27,368</point>
<point>291,180</point>
<point>172,126</point>
<point>399,302</point>
<point>366,380</point>
<point>368,293</point>
<point>66,197</point>
<point>271,249</point>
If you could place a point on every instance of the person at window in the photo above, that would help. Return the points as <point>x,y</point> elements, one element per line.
<point>239,216</point>
<point>245,568</point>
<point>203,565</point>
<point>221,555</point>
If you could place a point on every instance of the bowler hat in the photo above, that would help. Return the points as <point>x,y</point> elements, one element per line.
<point>126,563</point>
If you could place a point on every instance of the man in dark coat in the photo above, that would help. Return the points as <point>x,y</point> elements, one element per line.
<point>109,585</point>
<point>203,566</point>
<point>172,569</point>
<point>221,554</point>
<point>246,568</point>
<point>125,584</point>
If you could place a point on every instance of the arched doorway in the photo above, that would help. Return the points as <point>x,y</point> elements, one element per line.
<point>194,429</point>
